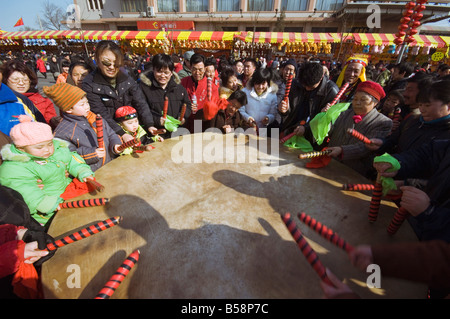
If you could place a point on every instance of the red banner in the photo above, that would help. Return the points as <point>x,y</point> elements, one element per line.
<point>167,25</point>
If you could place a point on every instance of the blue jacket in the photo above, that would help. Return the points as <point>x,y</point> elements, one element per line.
<point>13,104</point>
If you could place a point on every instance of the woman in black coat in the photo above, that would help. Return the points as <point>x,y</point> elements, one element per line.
<point>162,82</point>
<point>108,88</point>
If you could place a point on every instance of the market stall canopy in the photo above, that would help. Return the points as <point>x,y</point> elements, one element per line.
<point>388,39</point>
<point>21,35</point>
<point>285,37</point>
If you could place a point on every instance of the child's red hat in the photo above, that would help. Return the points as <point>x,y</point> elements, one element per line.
<point>124,113</point>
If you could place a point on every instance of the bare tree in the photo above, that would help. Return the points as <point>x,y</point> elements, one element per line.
<point>52,16</point>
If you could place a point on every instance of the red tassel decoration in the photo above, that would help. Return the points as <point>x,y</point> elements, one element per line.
<point>306,249</point>
<point>85,232</point>
<point>358,135</point>
<point>116,279</point>
<point>85,203</point>
<point>325,232</point>
<point>399,217</point>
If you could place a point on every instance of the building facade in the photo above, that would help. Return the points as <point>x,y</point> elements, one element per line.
<point>250,15</point>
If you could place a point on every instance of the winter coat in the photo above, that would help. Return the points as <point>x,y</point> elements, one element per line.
<point>13,104</point>
<point>317,99</point>
<point>431,160</point>
<point>260,106</point>
<point>44,105</point>
<point>141,135</point>
<point>40,65</point>
<point>154,95</point>
<point>105,99</point>
<point>20,171</point>
<point>184,72</point>
<point>11,250</point>
<point>82,138</point>
<point>221,119</point>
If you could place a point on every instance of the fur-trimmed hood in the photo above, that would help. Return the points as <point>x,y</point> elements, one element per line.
<point>10,153</point>
<point>147,78</point>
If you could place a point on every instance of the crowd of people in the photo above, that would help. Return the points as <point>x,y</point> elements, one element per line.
<point>50,147</point>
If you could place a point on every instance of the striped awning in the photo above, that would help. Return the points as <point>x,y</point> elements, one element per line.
<point>373,38</point>
<point>284,37</point>
<point>433,41</point>
<point>116,35</point>
<point>20,35</point>
<point>201,35</point>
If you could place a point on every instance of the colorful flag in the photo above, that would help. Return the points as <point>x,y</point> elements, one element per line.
<point>19,22</point>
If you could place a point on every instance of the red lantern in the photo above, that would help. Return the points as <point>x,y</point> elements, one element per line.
<point>409,39</point>
<point>405,20</point>
<point>412,31</point>
<point>421,1</point>
<point>402,27</point>
<point>408,13</point>
<point>415,24</point>
<point>420,8</point>
<point>398,41</point>
<point>400,34</point>
<point>417,16</point>
<point>410,5</point>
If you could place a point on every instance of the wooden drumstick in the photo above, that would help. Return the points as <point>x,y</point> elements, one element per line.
<point>116,279</point>
<point>85,232</point>
<point>306,249</point>
<point>160,131</point>
<point>325,232</point>
<point>288,86</point>
<point>209,89</point>
<point>376,199</point>
<point>123,146</point>
<point>183,111</point>
<point>99,126</point>
<point>358,187</point>
<point>359,136</point>
<point>85,203</point>
<point>98,187</point>
<point>399,217</point>
<point>166,107</point>
<point>143,148</point>
<point>339,94</point>
<point>313,154</point>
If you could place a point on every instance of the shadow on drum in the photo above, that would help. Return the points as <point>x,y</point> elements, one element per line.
<point>208,261</point>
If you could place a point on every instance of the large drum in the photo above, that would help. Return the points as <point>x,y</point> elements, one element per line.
<point>204,212</point>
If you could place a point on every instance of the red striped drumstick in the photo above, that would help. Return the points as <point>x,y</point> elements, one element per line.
<point>165,107</point>
<point>325,232</point>
<point>358,187</point>
<point>123,146</point>
<point>306,249</point>
<point>358,135</point>
<point>183,111</point>
<point>85,203</point>
<point>160,131</point>
<point>85,232</point>
<point>399,217</point>
<point>288,86</point>
<point>209,89</point>
<point>116,279</point>
<point>99,125</point>
<point>339,94</point>
<point>98,187</point>
<point>314,154</point>
<point>375,201</point>
<point>284,139</point>
<point>143,148</point>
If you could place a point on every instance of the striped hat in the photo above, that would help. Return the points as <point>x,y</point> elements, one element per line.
<point>64,95</point>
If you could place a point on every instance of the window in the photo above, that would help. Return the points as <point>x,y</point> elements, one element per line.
<point>294,5</point>
<point>95,4</point>
<point>197,5</point>
<point>329,5</point>
<point>133,5</point>
<point>258,29</point>
<point>324,29</point>
<point>260,5</point>
<point>228,5</point>
<point>293,29</point>
<point>168,6</point>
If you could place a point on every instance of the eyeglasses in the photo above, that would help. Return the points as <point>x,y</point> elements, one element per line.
<point>17,80</point>
<point>108,63</point>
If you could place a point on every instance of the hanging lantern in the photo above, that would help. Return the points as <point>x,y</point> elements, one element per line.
<point>409,39</point>
<point>417,16</point>
<point>410,5</point>
<point>403,27</point>
<point>405,20</point>
<point>408,13</point>
<point>412,31</point>
<point>398,41</point>
<point>420,8</point>
<point>415,24</point>
<point>421,1</point>
<point>400,34</point>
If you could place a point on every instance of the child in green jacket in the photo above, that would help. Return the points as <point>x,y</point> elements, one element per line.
<point>35,155</point>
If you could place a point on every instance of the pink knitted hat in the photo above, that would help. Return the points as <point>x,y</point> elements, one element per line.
<point>29,133</point>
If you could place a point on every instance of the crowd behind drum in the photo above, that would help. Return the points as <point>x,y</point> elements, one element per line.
<point>51,146</point>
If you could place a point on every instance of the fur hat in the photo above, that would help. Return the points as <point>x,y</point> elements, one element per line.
<point>29,133</point>
<point>64,95</point>
<point>372,88</point>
